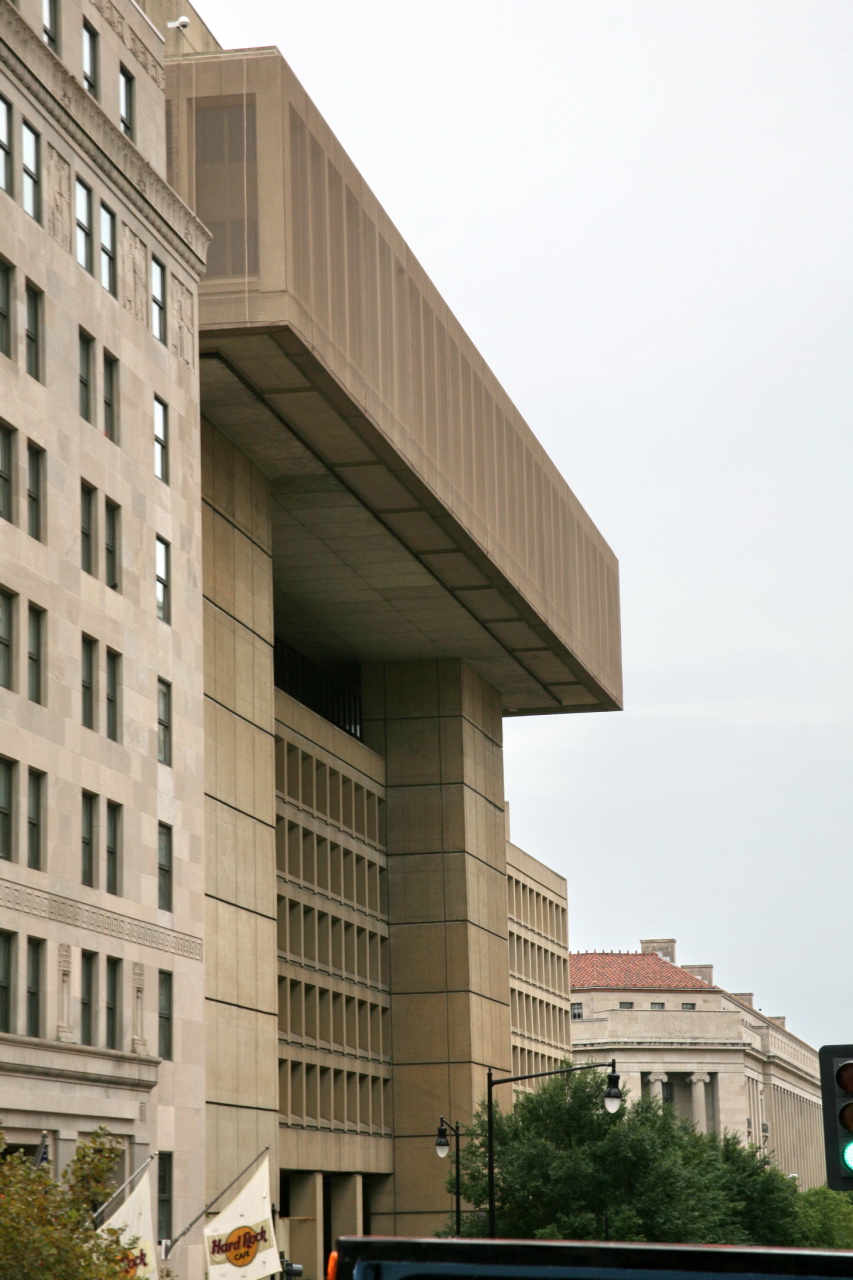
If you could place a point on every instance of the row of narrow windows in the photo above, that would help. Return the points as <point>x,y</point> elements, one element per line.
<point>531,908</point>
<point>335,869</point>
<point>323,1097</point>
<point>327,792</point>
<point>537,964</point>
<point>538,1019</point>
<point>527,1061</point>
<point>315,1015</point>
<point>325,941</point>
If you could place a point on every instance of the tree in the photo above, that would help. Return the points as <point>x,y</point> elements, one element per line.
<point>47,1227</point>
<point>565,1169</point>
<point>826,1219</point>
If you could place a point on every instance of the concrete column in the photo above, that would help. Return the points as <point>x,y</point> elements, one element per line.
<point>700,1111</point>
<point>306,1224</point>
<point>438,725</point>
<point>656,1082</point>
<point>347,1211</point>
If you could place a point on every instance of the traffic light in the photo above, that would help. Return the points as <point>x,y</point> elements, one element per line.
<point>836,1084</point>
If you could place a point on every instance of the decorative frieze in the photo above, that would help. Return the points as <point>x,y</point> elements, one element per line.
<point>59,198</point>
<point>134,260</point>
<point>131,41</point>
<point>50,906</point>
<point>182,326</point>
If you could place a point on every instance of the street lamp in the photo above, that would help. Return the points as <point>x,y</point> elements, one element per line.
<point>612,1101</point>
<point>442,1147</point>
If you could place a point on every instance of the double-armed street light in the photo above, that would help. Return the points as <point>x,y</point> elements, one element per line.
<point>442,1148</point>
<point>612,1102</point>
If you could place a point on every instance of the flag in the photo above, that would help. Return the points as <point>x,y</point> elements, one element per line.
<point>240,1241</point>
<point>41,1156</point>
<point>134,1222</point>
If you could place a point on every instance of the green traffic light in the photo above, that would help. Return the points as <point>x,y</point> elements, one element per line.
<point>847,1155</point>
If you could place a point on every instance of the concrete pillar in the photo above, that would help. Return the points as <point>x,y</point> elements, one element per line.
<point>438,725</point>
<point>656,1082</point>
<point>306,1224</point>
<point>700,1111</point>
<point>347,1211</point>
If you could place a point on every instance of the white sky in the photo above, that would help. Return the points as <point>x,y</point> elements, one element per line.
<point>641,211</point>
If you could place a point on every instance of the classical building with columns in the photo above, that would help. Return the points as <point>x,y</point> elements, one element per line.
<point>709,1053</point>
<point>279,554</point>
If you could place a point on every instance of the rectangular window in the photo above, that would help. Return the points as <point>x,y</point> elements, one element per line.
<point>164,722</point>
<point>162,556</point>
<point>127,102</point>
<point>5,307</point>
<point>87,351</point>
<point>87,527</point>
<point>89,815</point>
<point>7,777</point>
<point>6,961</point>
<point>35,966</point>
<point>158,299</point>
<point>626,1004</point>
<point>88,976</point>
<point>83,234</point>
<point>112,1037</point>
<point>657,1006</point>
<point>161,440</point>
<point>577,1013</point>
<point>688,1007</point>
<point>164,1029</point>
<point>113,694</point>
<point>6,666</point>
<point>33,332</point>
<point>113,847</point>
<point>35,645</point>
<point>35,787</point>
<point>31,158</point>
<point>112,530</point>
<point>35,475</point>
<point>164,1195</point>
<point>5,146</point>
<point>110,396</point>
<point>164,867</point>
<point>108,249</point>
<point>50,28</point>
<point>90,59</point>
<point>5,473</point>
<point>89,657</point>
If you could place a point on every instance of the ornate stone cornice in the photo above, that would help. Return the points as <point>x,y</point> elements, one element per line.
<point>43,77</point>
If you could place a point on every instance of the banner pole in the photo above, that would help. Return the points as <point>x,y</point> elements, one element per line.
<point>107,1203</point>
<point>210,1205</point>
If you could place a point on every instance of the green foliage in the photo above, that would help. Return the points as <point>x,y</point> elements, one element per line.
<point>565,1169</point>
<point>46,1227</point>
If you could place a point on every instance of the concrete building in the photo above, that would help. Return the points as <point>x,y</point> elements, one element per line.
<point>278,554</point>
<point>717,1059</point>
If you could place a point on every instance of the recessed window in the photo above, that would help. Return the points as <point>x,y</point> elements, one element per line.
<point>50,24</point>
<point>626,1004</point>
<point>90,59</point>
<point>35,788</point>
<point>112,1029</point>
<point>111,375</point>
<point>577,1012</point>
<point>108,249</point>
<point>33,332</point>
<point>657,1005</point>
<point>5,146</point>
<point>5,472</point>
<point>164,1027</point>
<point>87,353</point>
<point>7,943</point>
<point>83,232</point>
<point>164,1195</point>
<point>89,654</point>
<point>88,973</point>
<point>688,1007</point>
<point>31,158</point>
<point>127,102</point>
<point>162,558</point>
<point>164,867</point>
<point>6,664</point>
<point>113,691</point>
<point>158,299</point>
<point>161,440</point>
<point>5,309</point>
<point>35,647</point>
<point>112,516</point>
<point>164,722</point>
<point>89,813</point>
<point>113,869</point>
<point>7,775</point>
<point>35,979</point>
<point>35,484</point>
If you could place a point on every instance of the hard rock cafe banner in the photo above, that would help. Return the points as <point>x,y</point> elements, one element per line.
<point>240,1242</point>
<point>134,1222</point>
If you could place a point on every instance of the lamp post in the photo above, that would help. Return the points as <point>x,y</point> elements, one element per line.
<point>612,1101</point>
<point>442,1147</point>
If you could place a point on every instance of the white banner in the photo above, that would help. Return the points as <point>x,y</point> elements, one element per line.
<point>134,1222</point>
<point>240,1242</point>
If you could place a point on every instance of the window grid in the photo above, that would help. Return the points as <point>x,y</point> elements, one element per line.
<point>7,775</point>
<point>161,440</point>
<point>110,396</point>
<point>164,867</point>
<point>108,249</point>
<point>162,558</point>
<point>87,681</point>
<point>5,472</point>
<point>6,664</point>
<point>5,300</point>
<point>83,229</point>
<point>112,1029</point>
<point>6,947</point>
<point>164,1015</point>
<point>35,950</point>
<point>158,299</point>
<point>31,161</point>
<point>164,722</point>
<point>35,477</point>
<point>88,970</point>
<point>87,348</point>
<point>90,59</point>
<point>5,146</point>
<point>164,1195</point>
<point>33,332</point>
<point>87,839</point>
<point>35,643</point>
<point>35,786</point>
<point>113,691</point>
<point>127,102</point>
<point>111,543</point>
<point>113,868</point>
<point>87,527</point>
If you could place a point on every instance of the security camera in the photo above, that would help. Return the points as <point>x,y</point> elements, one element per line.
<point>180,23</point>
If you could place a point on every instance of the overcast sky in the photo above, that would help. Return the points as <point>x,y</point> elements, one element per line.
<point>641,211</point>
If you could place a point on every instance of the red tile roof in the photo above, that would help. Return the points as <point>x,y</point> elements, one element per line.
<point>621,970</point>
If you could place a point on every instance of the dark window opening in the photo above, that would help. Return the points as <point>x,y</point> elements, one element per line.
<point>334,695</point>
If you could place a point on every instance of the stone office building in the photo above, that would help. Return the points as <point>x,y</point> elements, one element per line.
<point>278,556</point>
